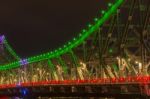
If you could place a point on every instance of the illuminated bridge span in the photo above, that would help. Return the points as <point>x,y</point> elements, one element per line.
<point>109,58</point>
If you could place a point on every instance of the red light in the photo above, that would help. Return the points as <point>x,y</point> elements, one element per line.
<point>138,79</point>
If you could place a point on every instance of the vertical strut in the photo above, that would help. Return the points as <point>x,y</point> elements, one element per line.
<point>100,46</point>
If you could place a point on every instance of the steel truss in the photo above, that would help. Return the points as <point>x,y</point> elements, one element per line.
<point>119,49</point>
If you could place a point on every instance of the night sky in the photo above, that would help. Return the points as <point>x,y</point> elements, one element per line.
<point>36,26</point>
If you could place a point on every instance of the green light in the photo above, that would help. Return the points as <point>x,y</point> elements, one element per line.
<point>115,67</point>
<point>109,4</point>
<point>74,39</point>
<point>110,50</point>
<point>51,65</point>
<point>80,35</point>
<point>89,25</point>
<point>96,19</point>
<point>8,47</point>
<point>72,44</point>
<point>103,12</point>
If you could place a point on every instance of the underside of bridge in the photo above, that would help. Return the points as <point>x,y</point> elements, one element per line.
<point>113,62</point>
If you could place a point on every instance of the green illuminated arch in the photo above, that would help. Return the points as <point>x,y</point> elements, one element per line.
<point>73,43</point>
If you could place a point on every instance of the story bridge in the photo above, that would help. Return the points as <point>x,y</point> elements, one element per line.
<point>111,58</point>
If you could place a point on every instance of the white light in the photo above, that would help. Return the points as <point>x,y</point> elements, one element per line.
<point>129,59</point>
<point>38,69</point>
<point>136,62</point>
<point>117,58</point>
<point>47,73</point>
<point>83,65</point>
<point>140,65</point>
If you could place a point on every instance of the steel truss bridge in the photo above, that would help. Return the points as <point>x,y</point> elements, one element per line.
<point>110,58</point>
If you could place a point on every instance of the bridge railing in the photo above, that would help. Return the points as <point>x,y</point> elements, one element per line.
<point>141,80</point>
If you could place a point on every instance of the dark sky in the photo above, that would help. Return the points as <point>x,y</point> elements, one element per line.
<point>36,26</point>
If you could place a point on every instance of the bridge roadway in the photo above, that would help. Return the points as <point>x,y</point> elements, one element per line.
<point>117,87</point>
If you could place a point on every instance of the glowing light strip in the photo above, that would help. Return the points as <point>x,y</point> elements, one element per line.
<point>128,80</point>
<point>72,44</point>
<point>9,48</point>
